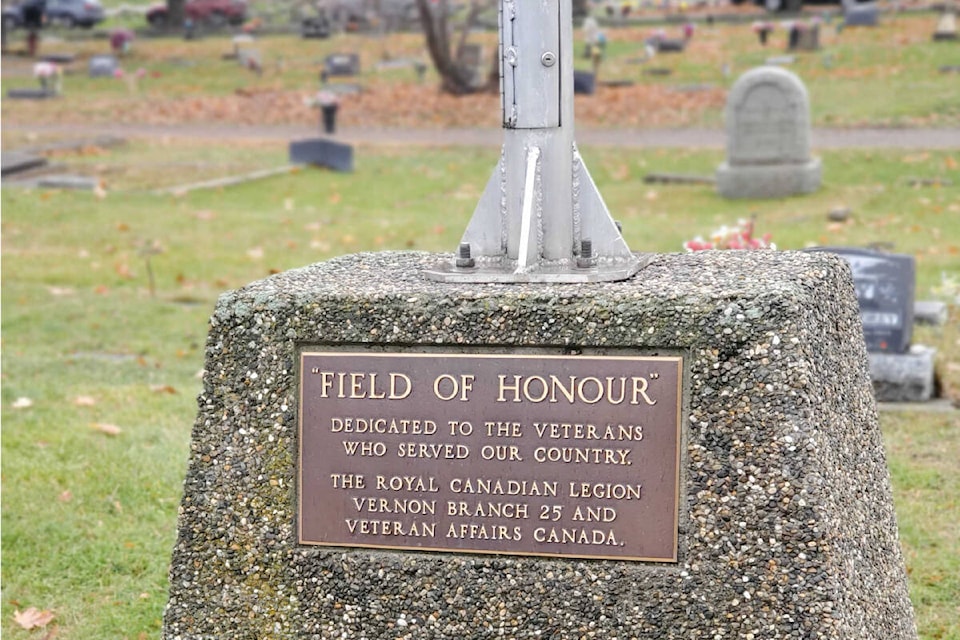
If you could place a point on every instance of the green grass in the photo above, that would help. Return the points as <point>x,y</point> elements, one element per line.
<point>80,322</point>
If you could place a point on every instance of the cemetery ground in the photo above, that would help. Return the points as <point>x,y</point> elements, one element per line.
<point>106,297</point>
<point>107,293</point>
<point>852,80</point>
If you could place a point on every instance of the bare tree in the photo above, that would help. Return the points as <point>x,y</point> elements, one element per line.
<point>456,77</point>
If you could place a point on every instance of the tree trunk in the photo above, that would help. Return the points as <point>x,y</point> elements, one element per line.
<point>454,77</point>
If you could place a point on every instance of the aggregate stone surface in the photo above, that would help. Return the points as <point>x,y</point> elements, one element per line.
<point>787,528</point>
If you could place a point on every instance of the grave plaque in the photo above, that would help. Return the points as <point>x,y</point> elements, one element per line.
<point>342,64</point>
<point>885,290</point>
<point>536,454</point>
<point>102,66</point>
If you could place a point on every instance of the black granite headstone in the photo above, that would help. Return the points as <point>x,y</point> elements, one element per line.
<point>584,82</point>
<point>322,152</point>
<point>342,64</point>
<point>861,15</point>
<point>885,284</point>
<point>666,45</point>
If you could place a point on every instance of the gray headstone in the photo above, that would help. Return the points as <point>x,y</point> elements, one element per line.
<point>809,38</point>
<point>342,64</point>
<point>933,312</point>
<point>861,15</point>
<point>946,27</point>
<point>470,57</point>
<point>885,284</point>
<point>768,137</point>
<point>102,66</point>
<point>903,377</point>
<point>322,152</point>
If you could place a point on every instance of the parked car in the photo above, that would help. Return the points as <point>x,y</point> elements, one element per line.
<point>216,13</point>
<point>69,13</point>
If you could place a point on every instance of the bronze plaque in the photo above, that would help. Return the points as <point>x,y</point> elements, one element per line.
<point>529,454</point>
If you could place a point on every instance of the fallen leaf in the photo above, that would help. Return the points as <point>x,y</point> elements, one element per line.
<point>204,214</point>
<point>33,618</point>
<point>914,158</point>
<point>162,388</point>
<point>84,401</point>
<point>101,290</point>
<point>123,270</point>
<point>107,428</point>
<point>288,204</point>
<point>256,253</point>
<point>65,496</point>
<point>335,198</point>
<point>22,403</point>
<point>60,291</point>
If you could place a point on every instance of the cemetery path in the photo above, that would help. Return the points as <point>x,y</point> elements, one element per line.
<point>679,137</point>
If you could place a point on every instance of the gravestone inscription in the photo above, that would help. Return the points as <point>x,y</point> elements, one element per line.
<point>768,137</point>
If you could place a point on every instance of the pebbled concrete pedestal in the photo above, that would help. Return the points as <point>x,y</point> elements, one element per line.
<point>787,528</point>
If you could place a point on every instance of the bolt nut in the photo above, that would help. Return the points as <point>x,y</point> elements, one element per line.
<point>548,59</point>
<point>464,261</point>
<point>586,259</point>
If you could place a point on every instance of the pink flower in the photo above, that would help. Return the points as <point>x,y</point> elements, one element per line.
<point>45,70</point>
<point>739,237</point>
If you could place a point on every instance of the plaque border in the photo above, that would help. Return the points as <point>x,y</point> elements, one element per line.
<point>485,351</point>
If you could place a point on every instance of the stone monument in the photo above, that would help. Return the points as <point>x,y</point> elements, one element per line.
<point>885,284</point>
<point>768,137</point>
<point>865,14</point>
<point>947,24</point>
<point>539,438</point>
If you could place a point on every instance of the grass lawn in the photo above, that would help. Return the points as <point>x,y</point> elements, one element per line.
<point>100,371</point>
